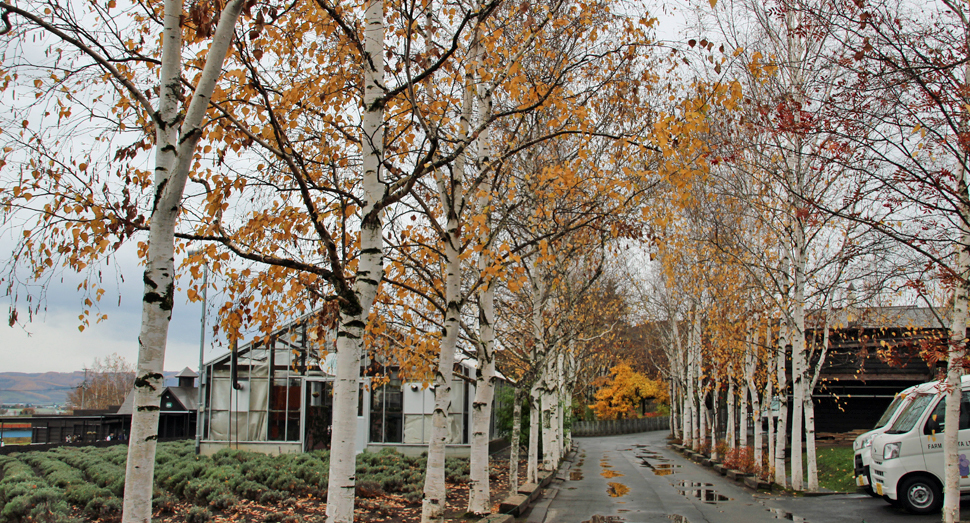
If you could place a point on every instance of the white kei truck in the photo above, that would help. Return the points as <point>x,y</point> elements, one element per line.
<point>907,459</point>
<point>860,446</point>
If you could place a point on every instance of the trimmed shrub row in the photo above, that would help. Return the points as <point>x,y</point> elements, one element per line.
<point>42,486</point>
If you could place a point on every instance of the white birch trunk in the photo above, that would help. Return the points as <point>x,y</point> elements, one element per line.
<point>701,429</point>
<point>545,402</point>
<point>562,404</point>
<point>370,270</point>
<point>812,458</point>
<point>433,503</point>
<point>756,416</point>
<point>954,371</point>
<point>532,470</point>
<point>687,399</point>
<point>539,362</point>
<point>781,431</point>
<point>744,415</point>
<point>685,390</point>
<point>478,493</point>
<point>451,194</point>
<point>749,387</point>
<point>570,389</point>
<point>797,414</point>
<point>731,433</point>
<point>766,405</point>
<point>514,451</point>
<point>810,408</point>
<point>478,489</point>
<point>674,391</point>
<point>175,152</point>
<point>958,328</point>
<point>715,403</point>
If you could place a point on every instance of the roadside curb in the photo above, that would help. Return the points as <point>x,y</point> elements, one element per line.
<point>517,504</point>
<point>748,481</point>
<point>743,479</point>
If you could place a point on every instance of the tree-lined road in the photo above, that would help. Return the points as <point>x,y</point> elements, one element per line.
<point>635,478</point>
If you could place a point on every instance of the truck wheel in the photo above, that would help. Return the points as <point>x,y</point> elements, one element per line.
<point>920,495</point>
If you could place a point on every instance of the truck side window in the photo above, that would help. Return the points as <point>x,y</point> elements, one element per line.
<point>937,420</point>
<point>964,411</point>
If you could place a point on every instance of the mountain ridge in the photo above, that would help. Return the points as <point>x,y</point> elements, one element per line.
<point>46,388</point>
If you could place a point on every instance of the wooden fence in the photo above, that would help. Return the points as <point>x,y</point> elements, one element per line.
<point>621,426</point>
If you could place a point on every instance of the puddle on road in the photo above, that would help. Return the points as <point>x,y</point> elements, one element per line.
<point>604,519</point>
<point>706,495</point>
<point>692,484</point>
<point>660,469</point>
<point>610,474</point>
<point>781,514</point>
<point>575,475</point>
<point>701,491</point>
<point>616,490</point>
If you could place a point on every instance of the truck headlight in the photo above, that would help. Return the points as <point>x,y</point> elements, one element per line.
<point>891,450</point>
<point>863,443</point>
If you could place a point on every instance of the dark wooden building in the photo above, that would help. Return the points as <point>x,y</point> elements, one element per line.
<point>873,354</point>
<point>178,410</point>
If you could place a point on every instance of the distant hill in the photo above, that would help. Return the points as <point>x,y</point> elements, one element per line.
<point>46,388</point>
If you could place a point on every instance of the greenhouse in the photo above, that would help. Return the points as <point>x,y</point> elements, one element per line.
<point>277,397</point>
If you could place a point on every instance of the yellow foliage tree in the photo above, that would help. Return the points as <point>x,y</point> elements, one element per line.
<point>620,397</point>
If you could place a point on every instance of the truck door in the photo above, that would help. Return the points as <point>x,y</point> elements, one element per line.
<point>932,440</point>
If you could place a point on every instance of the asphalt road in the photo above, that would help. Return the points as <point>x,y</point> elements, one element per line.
<point>635,478</point>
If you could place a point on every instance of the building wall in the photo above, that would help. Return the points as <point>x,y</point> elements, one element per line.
<point>273,448</point>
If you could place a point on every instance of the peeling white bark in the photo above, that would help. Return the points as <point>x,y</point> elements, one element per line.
<point>954,372</point>
<point>175,152</point>
<point>478,488</point>
<point>766,405</point>
<point>516,448</point>
<point>781,431</point>
<point>433,503</point>
<point>532,470</point>
<point>731,433</point>
<point>370,270</point>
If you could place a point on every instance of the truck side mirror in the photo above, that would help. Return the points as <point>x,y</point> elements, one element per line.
<point>932,426</point>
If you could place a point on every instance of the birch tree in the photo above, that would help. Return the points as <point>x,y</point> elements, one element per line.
<point>177,130</point>
<point>905,116</point>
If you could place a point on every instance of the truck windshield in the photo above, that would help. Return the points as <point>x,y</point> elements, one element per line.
<point>911,413</point>
<point>890,410</point>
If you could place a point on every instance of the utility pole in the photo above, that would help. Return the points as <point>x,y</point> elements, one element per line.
<point>200,415</point>
<point>84,385</point>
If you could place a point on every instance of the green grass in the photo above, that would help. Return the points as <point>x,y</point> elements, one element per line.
<point>835,468</point>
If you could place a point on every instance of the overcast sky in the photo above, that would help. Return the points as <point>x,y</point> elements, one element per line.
<point>52,342</point>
